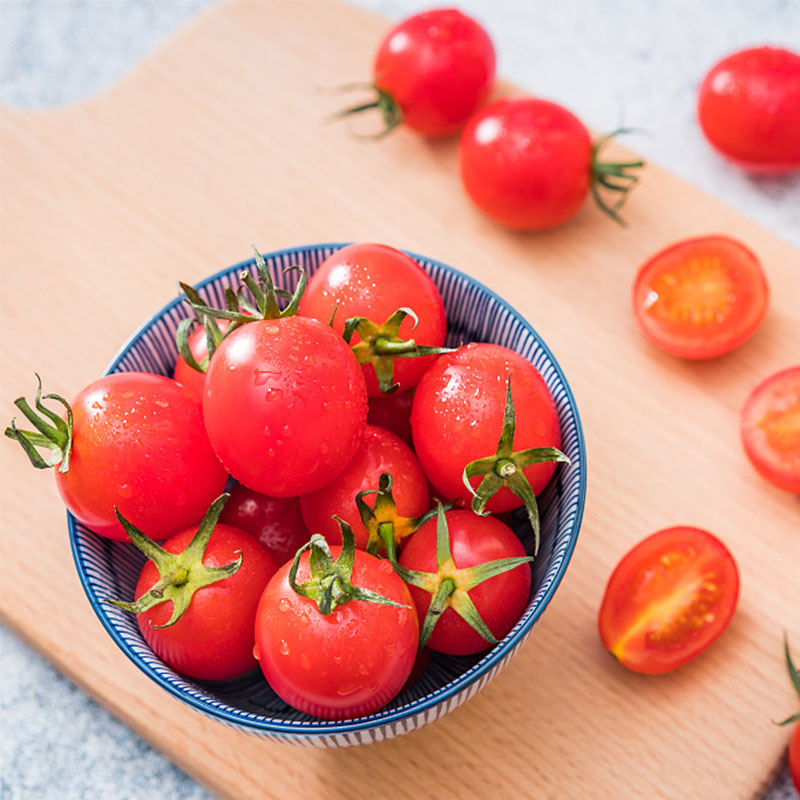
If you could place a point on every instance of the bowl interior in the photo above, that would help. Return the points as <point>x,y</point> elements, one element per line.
<point>110,569</point>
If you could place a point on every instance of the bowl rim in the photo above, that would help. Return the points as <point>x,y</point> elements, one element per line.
<point>291,729</point>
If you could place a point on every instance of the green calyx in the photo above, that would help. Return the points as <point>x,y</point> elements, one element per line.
<point>380,345</point>
<point>329,585</point>
<point>383,102</point>
<point>52,431</point>
<point>254,300</point>
<point>385,526</point>
<point>505,469</point>
<point>794,675</point>
<point>449,586</point>
<point>613,176</point>
<point>181,574</point>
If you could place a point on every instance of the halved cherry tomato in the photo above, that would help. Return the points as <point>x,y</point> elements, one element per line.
<point>770,427</point>
<point>701,297</point>
<point>669,598</point>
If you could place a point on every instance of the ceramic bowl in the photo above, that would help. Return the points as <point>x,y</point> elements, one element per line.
<point>110,569</point>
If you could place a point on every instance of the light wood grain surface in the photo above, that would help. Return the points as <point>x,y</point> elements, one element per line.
<point>216,142</point>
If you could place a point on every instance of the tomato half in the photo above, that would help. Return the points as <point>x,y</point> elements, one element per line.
<point>701,297</point>
<point>749,109</point>
<point>770,428</point>
<point>669,598</point>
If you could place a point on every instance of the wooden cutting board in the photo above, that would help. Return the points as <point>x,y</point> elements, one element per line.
<point>216,142</point>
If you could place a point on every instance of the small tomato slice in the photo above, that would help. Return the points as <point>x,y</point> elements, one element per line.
<point>669,598</point>
<point>770,428</point>
<point>701,297</point>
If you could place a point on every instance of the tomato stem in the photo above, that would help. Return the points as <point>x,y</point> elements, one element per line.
<point>794,676</point>
<point>614,176</point>
<point>383,102</point>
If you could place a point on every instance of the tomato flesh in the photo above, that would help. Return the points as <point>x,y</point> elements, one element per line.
<point>669,598</point>
<point>701,297</point>
<point>770,428</point>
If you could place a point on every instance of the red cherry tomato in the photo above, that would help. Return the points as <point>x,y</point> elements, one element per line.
<point>669,598</point>
<point>213,639</point>
<point>500,600</point>
<point>794,756</point>
<point>347,664</point>
<point>529,164</point>
<point>275,521</point>
<point>380,451</point>
<point>284,405</point>
<point>138,444</point>
<point>393,412</point>
<point>438,68</point>
<point>374,281</point>
<point>770,428</point>
<point>701,297</point>
<point>457,417</point>
<point>749,109</point>
<point>198,344</point>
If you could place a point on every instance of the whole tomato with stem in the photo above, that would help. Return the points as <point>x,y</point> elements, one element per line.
<point>336,630</point>
<point>380,452</point>
<point>469,439</point>
<point>431,72</point>
<point>669,598</point>
<point>268,378</point>
<point>132,441</point>
<point>529,164</point>
<point>470,579</point>
<point>191,367</point>
<point>387,306</point>
<point>749,109</point>
<point>197,595</point>
<point>770,428</point>
<point>275,521</point>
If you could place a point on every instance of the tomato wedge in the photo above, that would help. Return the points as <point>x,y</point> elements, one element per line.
<point>669,598</point>
<point>770,428</point>
<point>701,297</point>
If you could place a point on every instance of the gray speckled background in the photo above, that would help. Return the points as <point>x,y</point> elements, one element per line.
<point>640,60</point>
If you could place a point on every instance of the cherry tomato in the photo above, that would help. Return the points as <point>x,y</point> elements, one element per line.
<point>373,281</point>
<point>137,443</point>
<point>457,417</point>
<point>702,297</point>
<point>669,598</point>
<point>393,412</point>
<point>347,663</point>
<point>275,521</point>
<point>380,451</point>
<point>437,68</point>
<point>529,164</point>
<point>794,756</point>
<point>213,639</point>
<point>500,600</point>
<point>770,428</point>
<point>284,405</point>
<point>198,344</point>
<point>749,109</point>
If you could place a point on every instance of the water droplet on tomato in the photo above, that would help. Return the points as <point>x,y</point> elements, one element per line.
<point>125,491</point>
<point>284,648</point>
<point>305,661</point>
<point>256,653</point>
<point>272,329</point>
<point>162,403</point>
<point>287,431</point>
<point>348,688</point>
<point>273,394</point>
<point>284,604</point>
<point>270,453</point>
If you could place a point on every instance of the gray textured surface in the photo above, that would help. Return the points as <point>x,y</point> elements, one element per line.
<point>598,58</point>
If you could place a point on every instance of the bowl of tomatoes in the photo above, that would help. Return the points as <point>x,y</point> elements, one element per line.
<point>110,568</point>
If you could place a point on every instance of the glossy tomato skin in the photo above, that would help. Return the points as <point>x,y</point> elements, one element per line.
<point>213,640</point>
<point>393,412</point>
<point>347,664</point>
<point>794,756</point>
<point>139,444</point>
<point>457,417</point>
<point>770,428</point>
<point>380,451</point>
<point>284,405</point>
<point>500,600</point>
<point>749,109</point>
<point>686,571</point>
<point>701,297</point>
<point>198,344</point>
<point>275,521</point>
<point>438,67</point>
<point>526,163</point>
<point>374,281</point>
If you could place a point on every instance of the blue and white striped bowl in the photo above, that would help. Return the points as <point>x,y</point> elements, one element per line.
<point>110,569</point>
